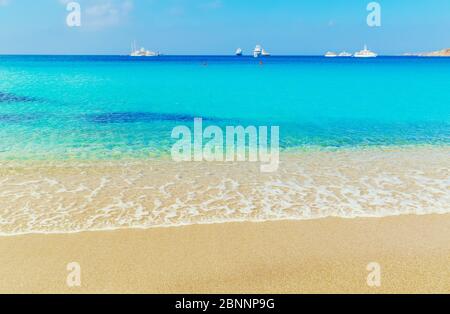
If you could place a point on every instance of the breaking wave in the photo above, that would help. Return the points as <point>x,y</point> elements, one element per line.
<point>67,197</point>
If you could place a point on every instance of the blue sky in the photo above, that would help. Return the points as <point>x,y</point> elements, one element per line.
<point>220,26</point>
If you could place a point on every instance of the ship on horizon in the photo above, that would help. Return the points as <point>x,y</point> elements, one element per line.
<point>259,51</point>
<point>142,52</point>
<point>331,54</point>
<point>365,53</point>
<point>345,54</point>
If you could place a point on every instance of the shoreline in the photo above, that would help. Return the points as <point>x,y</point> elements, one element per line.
<point>286,152</point>
<point>66,197</point>
<point>321,256</point>
<point>279,255</point>
<point>218,223</point>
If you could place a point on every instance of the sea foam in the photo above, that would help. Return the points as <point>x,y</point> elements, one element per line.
<point>67,197</point>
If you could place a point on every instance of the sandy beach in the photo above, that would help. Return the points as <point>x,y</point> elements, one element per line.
<point>163,227</point>
<point>327,256</point>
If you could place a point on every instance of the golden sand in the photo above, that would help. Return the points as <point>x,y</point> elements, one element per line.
<point>328,255</point>
<point>99,214</point>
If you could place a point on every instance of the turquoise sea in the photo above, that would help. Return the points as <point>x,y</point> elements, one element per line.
<point>101,107</point>
<point>85,140</point>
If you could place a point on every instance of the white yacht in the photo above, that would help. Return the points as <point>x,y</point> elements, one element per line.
<point>264,53</point>
<point>366,53</point>
<point>239,52</point>
<point>142,52</point>
<point>331,54</point>
<point>257,51</point>
<point>345,54</point>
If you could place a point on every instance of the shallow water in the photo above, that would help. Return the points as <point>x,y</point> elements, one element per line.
<point>75,196</point>
<point>85,140</point>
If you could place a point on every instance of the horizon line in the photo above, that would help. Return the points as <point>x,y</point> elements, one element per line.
<point>192,55</point>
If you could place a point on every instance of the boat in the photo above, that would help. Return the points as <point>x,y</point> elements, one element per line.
<point>331,54</point>
<point>142,52</point>
<point>366,53</point>
<point>264,53</point>
<point>239,52</point>
<point>260,52</point>
<point>257,51</point>
<point>345,54</point>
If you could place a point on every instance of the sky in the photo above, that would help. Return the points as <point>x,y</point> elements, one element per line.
<point>187,27</point>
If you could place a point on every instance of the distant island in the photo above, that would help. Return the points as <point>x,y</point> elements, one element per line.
<point>439,53</point>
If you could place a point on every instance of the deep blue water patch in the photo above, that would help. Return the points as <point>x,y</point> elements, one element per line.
<point>16,118</point>
<point>12,98</point>
<point>134,117</point>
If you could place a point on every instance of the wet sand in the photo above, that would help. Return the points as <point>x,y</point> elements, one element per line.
<point>72,196</point>
<point>325,255</point>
